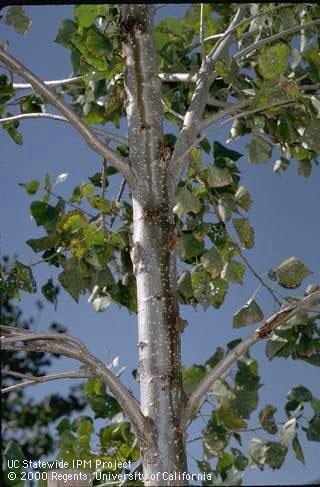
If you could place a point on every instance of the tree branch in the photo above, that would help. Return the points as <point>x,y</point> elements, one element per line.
<point>257,276</point>
<point>263,331</point>
<point>185,154</point>
<point>23,116</point>
<point>198,102</point>
<point>31,380</point>
<point>57,82</point>
<point>279,35</point>
<point>48,94</point>
<point>74,348</point>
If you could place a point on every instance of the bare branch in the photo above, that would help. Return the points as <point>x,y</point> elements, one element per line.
<point>257,276</point>
<point>31,380</point>
<point>119,162</point>
<point>201,33</point>
<point>231,109</point>
<point>194,114</point>
<point>57,82</point>
<point>23,116</point>
<point>74,348</point>
<point>279,35</point>
<point>169,110</point>
<point>185,154</point>
<point>178,77</point>
<point>263,331</point>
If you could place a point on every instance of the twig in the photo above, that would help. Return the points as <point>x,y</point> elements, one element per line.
<point>119,162</point>
<point>263,331</point>
<point>85,212</point>
<point>57,82</point>
<point>23,116</point>
<point>279,35</point>
<point>229,110</point>
<point>118,199</point>
<point>75,374</point>
<point>169,110</point>
<point>185,154</point>
<point>103,193</point>
<point>257,276</point>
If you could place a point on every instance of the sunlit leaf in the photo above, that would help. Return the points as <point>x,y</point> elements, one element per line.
<point>212,262</point>
<point>185,202</point>
<point>245,232</point>
<point>249,314</point>
<point>291,272</point>
<point>259,150</point>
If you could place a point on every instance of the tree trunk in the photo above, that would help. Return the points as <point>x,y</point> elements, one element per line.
<point>162,397</point>
<point>153,253</point>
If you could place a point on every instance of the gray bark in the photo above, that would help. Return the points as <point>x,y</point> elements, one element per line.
<point>153,254</point>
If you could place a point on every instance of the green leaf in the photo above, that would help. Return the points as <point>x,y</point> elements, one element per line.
<point>43,213</point>
<point>14,134</point>
<point>239,459</point>
<point>220,150</point>
<point>243,198</point>
<point>298,450</point>
<point>249,314</point>
<point>6,89</point>
<point>291,272</point>
<point>25,279</point>
<point>217,178</point>
<point>208,291</point>
<point>86,14</point>
<point>233,271</point>
<point>313,432</point>
<point>274,346</point>
<point>257,452</point>
<point>13,451</point>
<point>224,463</point>
<point>226,204</point>
<point>259,150</point>
<point>185,285</point>
<point>50,293</point>
<point>185,202</point>
<point>190,247</point>
<point>98,44</point>
<point>275,454</point>
<point>227,415</point>
<point>66,30</point>
<point>83,426</point>
<point>267,421</point>
<point>246,401</point>
<point>300,393</point>
<point>220,390</point>
<point>191,376</point>
<point>43,243</point>
<point>311,135</point>
<point>245,232</point>
<point>273,60</point>
<point>212,262</point>
<point>204,144</point>
<point>31,187</point>
<point>315,404</point>
<point>75,278</point>
<point>17,19</point>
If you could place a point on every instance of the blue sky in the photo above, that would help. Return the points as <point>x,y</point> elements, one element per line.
<point>284,215</point>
